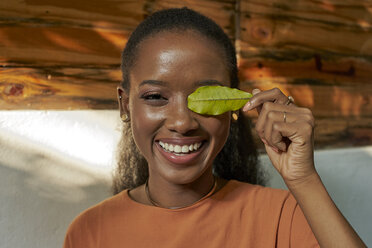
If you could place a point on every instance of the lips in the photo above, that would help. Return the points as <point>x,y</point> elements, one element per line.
<point>180,151</point>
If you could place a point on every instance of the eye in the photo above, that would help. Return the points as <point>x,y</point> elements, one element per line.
<point>154,98</point>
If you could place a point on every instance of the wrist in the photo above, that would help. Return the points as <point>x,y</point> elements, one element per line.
<point>304,183</point>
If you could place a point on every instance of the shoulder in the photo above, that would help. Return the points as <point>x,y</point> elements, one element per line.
<point>256,199</point>
<point>94,216</point>
<point>260,194</point>
<point>112,204</point>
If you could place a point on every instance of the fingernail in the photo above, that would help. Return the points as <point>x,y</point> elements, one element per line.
<point>247,106</point>
<point>264,141</point>
<point>255,91</point>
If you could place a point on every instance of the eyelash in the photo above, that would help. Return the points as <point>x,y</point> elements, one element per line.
<point>153,97</point>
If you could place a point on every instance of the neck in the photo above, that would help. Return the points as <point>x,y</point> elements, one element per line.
<point>164,194</point>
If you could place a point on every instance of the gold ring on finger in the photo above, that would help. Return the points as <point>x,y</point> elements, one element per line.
<point>290,100</point>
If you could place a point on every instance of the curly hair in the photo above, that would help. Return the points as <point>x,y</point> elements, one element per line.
<point>238,159</point>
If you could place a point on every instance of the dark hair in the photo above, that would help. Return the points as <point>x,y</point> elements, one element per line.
<point>238,159</point>
<point>177,20</point>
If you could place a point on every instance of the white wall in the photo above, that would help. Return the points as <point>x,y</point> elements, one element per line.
<point>54,164</point>
<point>347,175</point>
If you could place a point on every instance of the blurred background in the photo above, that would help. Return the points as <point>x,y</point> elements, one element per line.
<point>59,124</point>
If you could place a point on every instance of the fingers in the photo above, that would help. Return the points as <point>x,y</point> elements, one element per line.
<point>260,97</point>
<point>271,136</point>
<point>298,132</point>
<point>255,92</point>
<point>273,129</point>
<point>292,114</point>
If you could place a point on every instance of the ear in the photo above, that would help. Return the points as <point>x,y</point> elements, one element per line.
<point>123,100</point>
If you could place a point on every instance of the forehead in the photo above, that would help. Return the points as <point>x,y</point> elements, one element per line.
<point>187,38</point>
<point>185,53</point>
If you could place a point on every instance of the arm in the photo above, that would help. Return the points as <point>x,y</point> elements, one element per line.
<point>287,132</point>
<point>327,223</point>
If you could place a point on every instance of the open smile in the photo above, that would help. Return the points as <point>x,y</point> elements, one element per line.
<point>180,151</point>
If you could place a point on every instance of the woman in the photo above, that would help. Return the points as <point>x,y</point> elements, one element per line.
<point>176,190</point>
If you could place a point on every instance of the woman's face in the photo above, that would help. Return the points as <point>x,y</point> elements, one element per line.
<point>178,144</point>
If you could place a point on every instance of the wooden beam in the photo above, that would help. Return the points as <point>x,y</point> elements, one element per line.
<point>59,88</point>
<point>320,52</point>
<point>66,54</point>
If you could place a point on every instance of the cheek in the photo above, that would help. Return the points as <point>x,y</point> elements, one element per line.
<point>219,128</point>
<point>145,123</point>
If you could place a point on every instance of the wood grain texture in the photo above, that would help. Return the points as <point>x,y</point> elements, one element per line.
<point>71,41</point>
<point>60,46</point>
<point>88,14</point>
<point>341,27</point>
<point>65,32</point>
<point>59,88</point>
<point>66,54</point>
<point>320,52</point>
<point>63,54</point>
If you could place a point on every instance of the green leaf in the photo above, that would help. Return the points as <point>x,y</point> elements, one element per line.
<point>216,100</point>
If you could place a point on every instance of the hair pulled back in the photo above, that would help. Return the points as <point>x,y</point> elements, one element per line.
<point>238,159</point>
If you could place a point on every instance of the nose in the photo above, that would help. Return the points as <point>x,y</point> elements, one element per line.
<point>180,118</point>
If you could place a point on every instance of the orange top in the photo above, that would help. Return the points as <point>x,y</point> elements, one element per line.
<point>239,215</point>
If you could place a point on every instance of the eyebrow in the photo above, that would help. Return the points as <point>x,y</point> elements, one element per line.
<point>153,82</point>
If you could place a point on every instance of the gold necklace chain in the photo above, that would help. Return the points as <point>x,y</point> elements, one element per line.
<point>154,203</point>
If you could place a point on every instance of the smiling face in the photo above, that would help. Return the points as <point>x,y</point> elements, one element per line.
<point>178,144</point>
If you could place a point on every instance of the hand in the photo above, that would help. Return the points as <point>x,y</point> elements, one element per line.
<point>289,145</point>
<point>288,142</point>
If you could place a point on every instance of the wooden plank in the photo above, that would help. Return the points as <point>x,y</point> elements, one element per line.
<point>343,28</point>
<point>342,132</point>
<point>60,46</point>
<point>70,36</point>
<point>332,95</point>
<point>325,101</point>
<point>68,42</point>
<point>59,88</point>
<point>66,55</point>
<point>73,33</point>
<point>302,66</point>
<point>66,32</point>
<point>320,52</point>
<point>63,54</point>
<point>93,14</point>
<point>340,101</point>
<point>327,40</point>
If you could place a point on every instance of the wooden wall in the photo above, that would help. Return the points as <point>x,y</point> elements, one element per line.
<point>66,54</point>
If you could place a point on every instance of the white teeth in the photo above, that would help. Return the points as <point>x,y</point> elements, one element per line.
<point>185,149</point>
<point>180,149</point>
<point>177,148</point>
<point>191,148</point>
